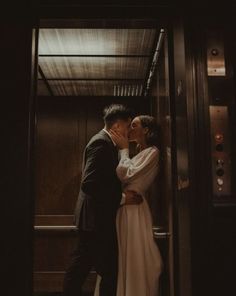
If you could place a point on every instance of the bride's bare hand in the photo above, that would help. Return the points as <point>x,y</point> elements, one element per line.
<point>121,141</point>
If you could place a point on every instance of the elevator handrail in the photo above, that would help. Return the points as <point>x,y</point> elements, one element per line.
<point>157,230</point>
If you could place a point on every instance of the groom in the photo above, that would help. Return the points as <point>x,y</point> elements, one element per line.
<point>95,213</point>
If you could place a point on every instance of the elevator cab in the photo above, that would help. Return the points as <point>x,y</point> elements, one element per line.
<point>83,67</point>
<point>58,74</point>
<point>180,71</point>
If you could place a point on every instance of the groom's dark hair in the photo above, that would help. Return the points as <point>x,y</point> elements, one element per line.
<point>114,112</point>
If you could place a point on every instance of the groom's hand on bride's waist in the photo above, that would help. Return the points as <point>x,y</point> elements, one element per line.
<point>132,198</point>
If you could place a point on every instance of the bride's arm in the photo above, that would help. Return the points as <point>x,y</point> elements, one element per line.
<point>128,168</point>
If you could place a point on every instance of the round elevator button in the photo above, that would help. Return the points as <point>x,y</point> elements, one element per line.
<point>214,51</point>
<point>219,162</point>
<point>219,138</point>
<point>220,181</point>
<point>219,147</point>
<point>220,172</point>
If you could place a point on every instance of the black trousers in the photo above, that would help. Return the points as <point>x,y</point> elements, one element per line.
<point>93,249</point>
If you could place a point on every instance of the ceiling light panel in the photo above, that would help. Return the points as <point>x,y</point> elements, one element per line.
<point>93,67</point>
<point>83,88</point>
<point>96,41</point>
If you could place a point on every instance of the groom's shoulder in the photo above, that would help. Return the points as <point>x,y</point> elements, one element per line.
<point>99,138</point>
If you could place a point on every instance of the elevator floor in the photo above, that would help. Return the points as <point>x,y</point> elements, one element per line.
<point>86,293</point>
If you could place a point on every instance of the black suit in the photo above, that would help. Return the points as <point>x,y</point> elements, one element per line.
<point>95,216</point>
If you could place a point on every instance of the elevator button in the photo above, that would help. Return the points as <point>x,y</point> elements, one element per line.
<point>219,138</point>
<point>220,162</point>
<point>219,147</point>
<point>220,172</point>
<point>220,181</point>
<point>214,51</point>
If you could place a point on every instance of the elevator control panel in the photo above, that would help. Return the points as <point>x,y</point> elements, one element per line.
<point>220,150</point>
<point>215,54</point>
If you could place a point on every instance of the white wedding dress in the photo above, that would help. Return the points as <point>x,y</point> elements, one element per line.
<point>140,262</point>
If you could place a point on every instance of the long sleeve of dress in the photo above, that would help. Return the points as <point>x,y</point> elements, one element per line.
<point>129,169</point>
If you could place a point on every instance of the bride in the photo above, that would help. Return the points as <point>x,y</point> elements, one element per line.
<point>140,263</point>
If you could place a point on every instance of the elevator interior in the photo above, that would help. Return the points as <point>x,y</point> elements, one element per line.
<point>82,67</point>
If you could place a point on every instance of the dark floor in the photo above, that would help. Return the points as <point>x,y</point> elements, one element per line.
<point>58,294</point>
<point>88,287</point>
<point>47,294</point>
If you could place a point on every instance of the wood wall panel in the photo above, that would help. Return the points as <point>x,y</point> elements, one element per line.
<point>64,126</point>
<point>51,282</point>
<point>50,220</point>
<point>52,250</point>
<point>61,137</point>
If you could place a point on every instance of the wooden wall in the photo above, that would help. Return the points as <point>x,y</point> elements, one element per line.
<point>64,126</point>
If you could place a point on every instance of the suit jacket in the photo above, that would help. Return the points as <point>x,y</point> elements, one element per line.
<point>100,191</point>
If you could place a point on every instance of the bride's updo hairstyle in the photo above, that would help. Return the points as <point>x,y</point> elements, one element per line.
<point>153,134</point>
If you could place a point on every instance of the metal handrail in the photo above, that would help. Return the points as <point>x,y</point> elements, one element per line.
<point>161,234</point>
<point>157,230</point>
<point>55,227</point>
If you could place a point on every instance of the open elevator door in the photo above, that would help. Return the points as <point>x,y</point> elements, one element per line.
<point>81,70</point>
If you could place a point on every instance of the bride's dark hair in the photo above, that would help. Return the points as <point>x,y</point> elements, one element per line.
<point>153,134</point>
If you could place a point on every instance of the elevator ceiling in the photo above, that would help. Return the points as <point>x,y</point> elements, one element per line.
<point>94,62</point>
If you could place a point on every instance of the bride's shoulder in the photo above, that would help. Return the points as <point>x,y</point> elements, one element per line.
<point>152,150</point>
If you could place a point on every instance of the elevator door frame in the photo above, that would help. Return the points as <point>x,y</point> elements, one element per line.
<point>172,95</point>
<point>52,13</point>
<point>175,37</point>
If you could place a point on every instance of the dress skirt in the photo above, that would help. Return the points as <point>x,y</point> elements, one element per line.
<point>140,262</point>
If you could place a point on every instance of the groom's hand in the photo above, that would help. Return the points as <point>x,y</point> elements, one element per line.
<point>132,198</point>
<point>121,141</point>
